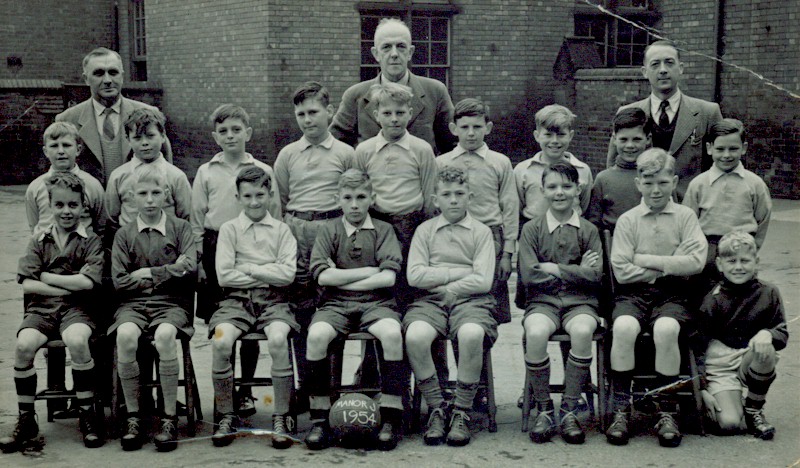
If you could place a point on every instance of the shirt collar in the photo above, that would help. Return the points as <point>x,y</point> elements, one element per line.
<point>75,170</point>
<point>674,102</point>
<point>466,222</point>
<point>246,159</point>
<point>245,222</point>
<point>715,173</point>
<point>670,208</point>
<point>404,142</point>
<point>553,223</point>
<point>305,144</point>
<point>460,150</point>
<point>403,81</point>
<point>48,231</point>
<point>138,162</point>
<point>99,108</point>
<point>160,226</point>
<point>567,157</point>
<point>349,229</point>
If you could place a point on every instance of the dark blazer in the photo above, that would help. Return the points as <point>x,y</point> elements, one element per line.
<point>431,108</point>
<point>91,159</point>
<point>695,117</point>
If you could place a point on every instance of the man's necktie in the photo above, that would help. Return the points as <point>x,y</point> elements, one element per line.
<point>663,119</point>
<point>108,125</point>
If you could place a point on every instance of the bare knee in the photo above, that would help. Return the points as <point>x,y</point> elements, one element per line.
<point>470,338</point>
<point>78,347</point>
<point>581,333</point>
<point>221,348</point>
<point>277,342</point>
<point>25,350</point>
<point>728,421</point>
<point>317,342</point>
<point>665,332</point>
<point>127,342</point>
<point>164,338</point>
<point>625,331</point>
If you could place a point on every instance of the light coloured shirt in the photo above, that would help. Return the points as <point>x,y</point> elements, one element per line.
<point>491,180</point>
<point>100,117</point>
<point>728,201</point>
<point>160,226</point>
<point>644,234</point>
<point>265,248</point>
<point>214,194</point>
<point>308,175</point>
<point>439,246</point>
<point>37,203</point>
<point>528,175</point>
<point>403,173</point>
<point>674,103</point>
<point>120,205</point>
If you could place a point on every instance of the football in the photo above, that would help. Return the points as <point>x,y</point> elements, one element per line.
<point>355,419</point>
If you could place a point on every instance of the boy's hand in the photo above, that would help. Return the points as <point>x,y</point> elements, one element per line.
<point>446,296</point>
<point>549,268</point>
<point>711,405</point>
<point>590,259</point>
<point>183,263</point>
<point>142,273</point>
<point>505,267</point>
<point>686,247</point>
<point>201,273</point>
<point>330,262</point>
<point>761,344</point>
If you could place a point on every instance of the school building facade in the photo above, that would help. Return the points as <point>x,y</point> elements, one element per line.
<point>517,55</point>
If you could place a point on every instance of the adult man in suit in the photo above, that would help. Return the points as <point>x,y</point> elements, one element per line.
<point>101,118</point>
<point>679,122</point>
<point>431,106</point>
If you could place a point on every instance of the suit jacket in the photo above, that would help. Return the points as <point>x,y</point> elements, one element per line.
<point>431,113</point>
<point>695,117</point>
<point>91,159</point>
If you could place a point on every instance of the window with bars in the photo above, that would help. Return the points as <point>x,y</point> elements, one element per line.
<point>619,43</point>
<point>138,20</point>
<point>430,35</point>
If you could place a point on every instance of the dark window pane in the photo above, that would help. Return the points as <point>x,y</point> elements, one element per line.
<point>624,33</point>
<point>419,29</point>
<point>420,56</point>
<point>623,55</point>
<point>439,53</point>
<point>582,28</point>
<point>366,53</point>
<point>368,25</point>
<point>438,74</point>
<point>439,29</point>
<point>368,73</point>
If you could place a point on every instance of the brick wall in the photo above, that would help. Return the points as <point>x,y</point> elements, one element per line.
<point>52,36</point>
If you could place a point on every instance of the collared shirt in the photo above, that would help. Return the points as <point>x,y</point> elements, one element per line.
<point>528,175</point>
<point>265,249</point>
<point>403,173</point>
<point>491,180</point>
<point>160,226</point>
<point>643,234</point>
<point>81,253</point>
<point>614,192</point>
<point>547,240</point>
<point>349,229</point>
<point>100,117</point>
<point>214,194</point>
<point>37,202</point>
<point>308,174</point>
<point>120,204</point>
<point>728,201</point>
<point>403,81</point>
<point>674,103</point>
<point>439,247</point>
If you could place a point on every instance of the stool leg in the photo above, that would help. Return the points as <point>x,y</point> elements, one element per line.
<point>602,408</point>
<point>526,402</point>
<point>56,361</point>
<point>189,387</point>
<point>416,407</point>
<point>487,363</point>
<point>116,392</point>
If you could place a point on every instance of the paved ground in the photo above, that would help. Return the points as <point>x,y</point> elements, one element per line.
<point>780,264</point>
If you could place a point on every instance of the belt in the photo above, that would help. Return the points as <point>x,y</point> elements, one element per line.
<point>315,215</point>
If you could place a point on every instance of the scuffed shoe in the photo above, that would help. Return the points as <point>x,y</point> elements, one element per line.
<point>247,406</point>
<point>167,436</point>
<point>133,438</point>
<point>757,424</point>
<point>544,427</point>
<point>571,430</point>
<point>25,431</point>
<point>226,431</point>
<point>668,433</point>
<point>459,434</point>
<point>617,432</point>
<point>320,436</point>
<point>89,429</point>
<point>436,432</point>
<point>387,437</point>
<point>282,426</point>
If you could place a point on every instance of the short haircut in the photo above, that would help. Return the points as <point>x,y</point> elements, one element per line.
<point>632,117</point>
<point>100,52</point>
<point>141,118</point>
<point>725,127</point>
<point>452,174</point>
<point>663,43</point>
<point>311,90</point>
<point>566,171</point>
<point>736,242</point>
<point>149,174</point>
<point>470,107</point>
<point>554,117</point>
<point>254,175</point>
<point>67,181</point>
<point>401,94</point>
<point>229,111</point>
<point>355,179</point>
<point>654,160</point>
<point>57,130</point>
<point>384,22</point>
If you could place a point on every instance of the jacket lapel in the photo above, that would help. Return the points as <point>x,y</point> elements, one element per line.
<point>88,131</point>
<point>125,110</point>
<point>417,102</point>
<point>369,105</point>
<point>686,124</point>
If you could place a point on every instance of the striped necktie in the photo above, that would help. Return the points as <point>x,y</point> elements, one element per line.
<point>663,119</point>
<point>108,125</point>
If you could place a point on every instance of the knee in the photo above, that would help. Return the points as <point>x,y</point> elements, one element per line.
<point>665,332</point>
<point>221,348</point>
<point>25,350</point>
<point>127,343</point>
<point>470,339</point>
<point>582,333</point>
<point>392,338</point>
<point>78,346</point>
<point>164,338</point>
<point>728,421</point>
<point>625,331</point>
<point>536,336</point>
<point>317,342</point>
<point>277,342</point>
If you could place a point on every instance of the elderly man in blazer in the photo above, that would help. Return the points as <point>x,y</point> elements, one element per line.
<point>679,122</point>
<point>100,120</point>
<point>431,107</point>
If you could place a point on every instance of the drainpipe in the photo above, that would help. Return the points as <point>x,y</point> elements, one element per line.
<point>719,35</point>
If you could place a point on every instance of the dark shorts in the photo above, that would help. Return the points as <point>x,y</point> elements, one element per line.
<point>351,316</point>
<point>502,313</point>
<point>51,318</point>
<point>446,318</point>
<point>253,310</point>
<point>560,315</point>
<point>304,291</point>
<point>649,302</point>
<point>149,314</point>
